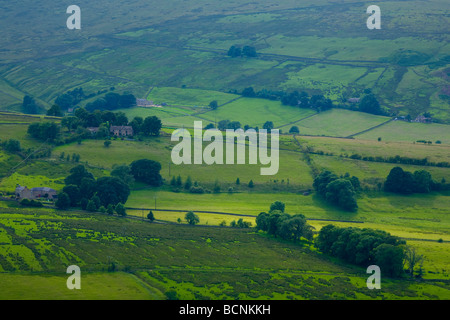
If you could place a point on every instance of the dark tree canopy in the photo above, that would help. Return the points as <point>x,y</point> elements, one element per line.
<point>370,104</point>
<point>111,190</point>
<point>55,111</point>
<point>63,201</point>
<point>341,193</point>
<point>29,105</point>
<point>359,246</point>
<point>77,174</point>
<point>74,194</point>
<point>43,131</point>
<point>147,171</point>
<point>151,126</point>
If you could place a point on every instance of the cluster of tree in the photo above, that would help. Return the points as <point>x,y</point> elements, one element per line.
<point>340,191</point>
<point>113,101</point>
<point>71,98</point>
<point>150,126</point>
<point>246,51</point>
<point>147,171</point>
<point>302,100</point>
<point>74,158</point>
<point>227,124</point>
<point>283,225</point>
<point>405,182</point>
<point>85,119</point>
<point>45,131</point>
<point>11,145</point>
<point>29,105</point>
<point>104,119</point>
<point>363,247</point>
<point>240,224</point>
<point>296,99</point>
<point>222,125</point>
<point>82,189</point>
<point>192,218</point>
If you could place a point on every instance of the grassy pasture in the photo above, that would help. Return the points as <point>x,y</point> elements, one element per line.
<point>188,97</point>
<point>434,153</point>
<point>409,132</point>
<point>370,170</point>
<point>255,112</point>
<point>336,123</point>
<point>159,149</point>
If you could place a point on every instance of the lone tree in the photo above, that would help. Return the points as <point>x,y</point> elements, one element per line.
<point>150,216</point>
<point>294,129</point>
<point>268,125</point>
<point>412,258</point>
<point>277,205</point>
<point>191,218</point>
<point>213,104</point>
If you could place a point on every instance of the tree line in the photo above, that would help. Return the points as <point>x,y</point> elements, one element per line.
<point>405,182</point>
<point>363,247</point>
<point>246,51</point>
<point>318,102</point>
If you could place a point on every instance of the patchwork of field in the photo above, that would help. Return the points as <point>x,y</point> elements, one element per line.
<point>157,50</point>
<point>229,263</point>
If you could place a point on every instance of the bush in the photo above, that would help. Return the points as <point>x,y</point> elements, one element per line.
<point>195,189</point>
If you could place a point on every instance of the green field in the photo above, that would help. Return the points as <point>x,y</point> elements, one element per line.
<point>410,132</point>
<point>337,123</point>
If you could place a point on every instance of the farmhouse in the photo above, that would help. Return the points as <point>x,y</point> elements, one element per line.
<point>353,100</point>
<point>423,119</point>
<point>143,103</point>
<point>93,130</point>
<point>35,193</point>
<point>121,131</point>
